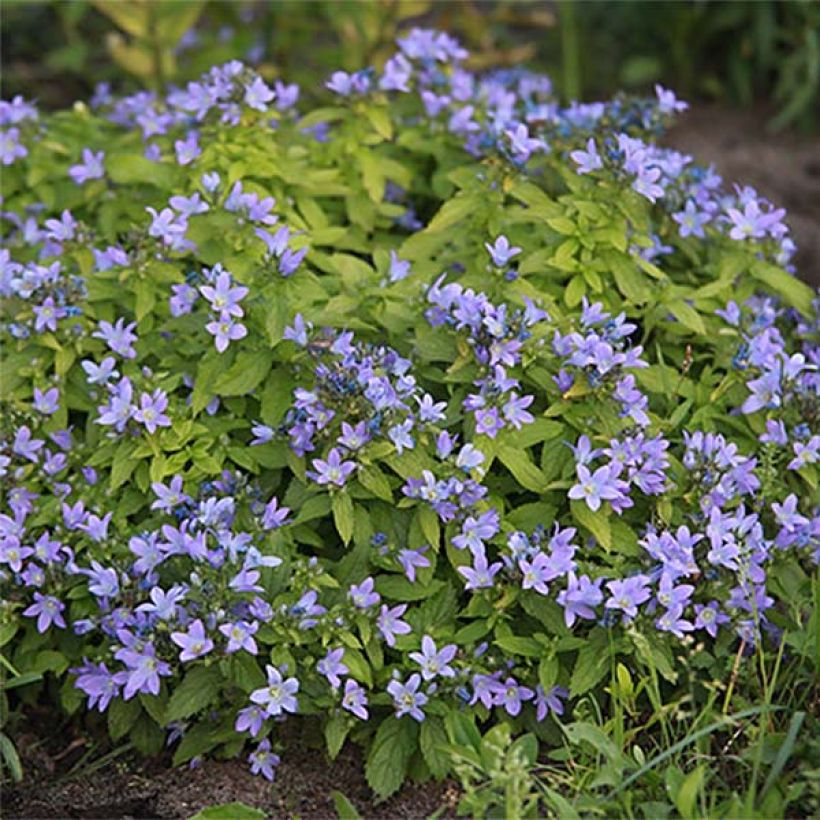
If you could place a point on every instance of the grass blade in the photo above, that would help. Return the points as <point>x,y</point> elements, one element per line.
<point>688,740</point>
<point>785,751</point>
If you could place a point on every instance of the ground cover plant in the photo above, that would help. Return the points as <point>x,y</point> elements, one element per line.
<point>440,407</point>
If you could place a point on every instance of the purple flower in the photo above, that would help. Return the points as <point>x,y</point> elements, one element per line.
<point>710,617</point>
<point>589,160</point>
<point>354,699</point>
<point>26,446</point>
<point>298,331</point>
<point>411,560</point>
<point>513,695</point>
<point>62,229</point>
<point>580,598</point>
<point>546,702</point>
<point>628,594</point>
<point>389,623</point>
<point>668,103</point>
<point>187,150</point>
<point>258,95</point>
<point>99,684</point>
<point>522,144</point>
<point>263,761</point>
<point>691,221</point>
<point>279,695</point>
<point>333,471</point>
<point>535,573</point>
<point>250,720</point>
<point>407,698</point>
<point>594,487</point>
<point>151,412</point>
<point>119,337</point>
<point>169,497</point>
<point>102,373</point>
<point>480,575</point>
<point>399,268</point>
<point>47,609</point>
<point>434,662</point>
<point>240,636</point>
<point>274,515</point>
<point>331,666</point>
<point>225,330</point>
<point>90,168</point>
<point>224,297</point>
<point>46,315</point>
<point>501,252</point>
<point>488,690</point>
<point>672,621</point>
<point>144,670</point>
<point>363,595</point>
<point>189,205</point>
<point>194,643</point>
<point>290,260</point>
<point>47,402</point>
<point>163,605</point>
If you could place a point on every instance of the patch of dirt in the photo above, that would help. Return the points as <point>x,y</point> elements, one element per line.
<point>129,786</point>
<point>784,167</point>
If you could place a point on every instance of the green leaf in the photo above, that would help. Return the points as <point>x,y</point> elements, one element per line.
<point>336,730</point>
<point>392,748</point>
<point>229,811</point>
<point>523,470</point>
<point>398,588</point>
<point>452,212</point>
<point>528,647</point>
<point>248,371</point>
<point>589,733</point>
<point>122,715</point>
<point>597,522</point>
<point>343,515</point>
<point>10,758</point>
<point>462,731</point>
<point>123,464</point>
<point>687,316</point>
<point>344,808</point>
<point>135,169</point>
<point>433,741</point>
<point>198,689</point>
<point>373,479</point>
<point>687,794</point>
<point>591,665</point>
<point>527,747</point>
<point>796,293</point>
<point>380,120</point>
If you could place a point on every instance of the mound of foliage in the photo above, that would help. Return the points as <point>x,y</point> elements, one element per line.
<point>426,410</point>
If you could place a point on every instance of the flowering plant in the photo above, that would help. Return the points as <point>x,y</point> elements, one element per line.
<point>421,409</point>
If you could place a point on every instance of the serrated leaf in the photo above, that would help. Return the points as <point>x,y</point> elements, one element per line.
<point>523,470</point>
<point>392,748</point>
<point>343,515</point>
<point>687,316</point>
<point>373,479</point>
<point>198,689</point>
<point>527,647</point>
<point>248,371</point>
<point>591,665</point>
<point>597,522</point>
<point>336,730</point>
<point>433,741</point>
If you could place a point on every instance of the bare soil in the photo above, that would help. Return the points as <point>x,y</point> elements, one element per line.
<point>783,167</point>
<point>129,786</point>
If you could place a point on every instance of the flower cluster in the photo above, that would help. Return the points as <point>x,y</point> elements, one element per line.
<point>496,335</point>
